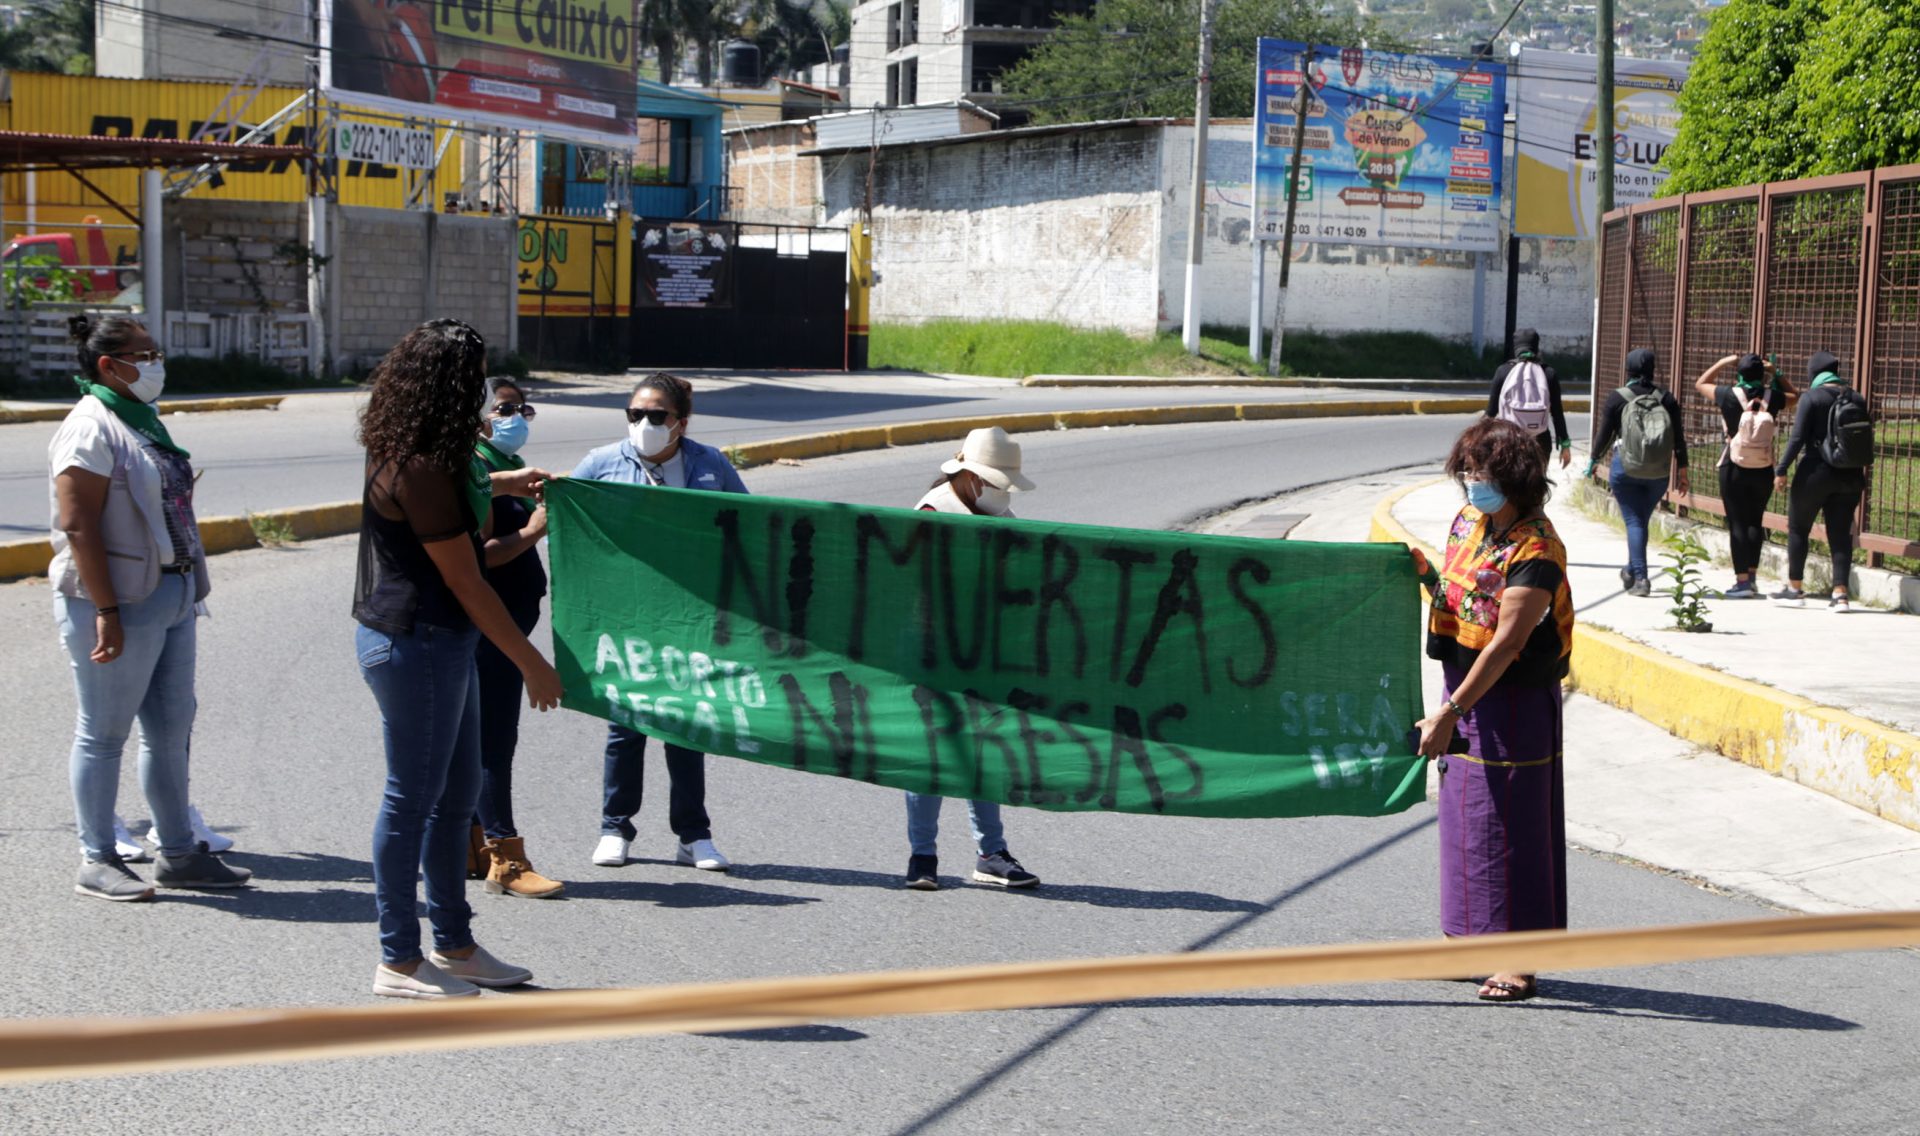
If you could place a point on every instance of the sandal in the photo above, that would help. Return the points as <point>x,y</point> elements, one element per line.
<point>1498,990</point>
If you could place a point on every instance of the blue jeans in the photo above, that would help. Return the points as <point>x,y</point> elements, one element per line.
<point>151,680</point>
<point>923,824</point>
<point>1638,497</point>
<point>624,777</point>
<point>430,714</point>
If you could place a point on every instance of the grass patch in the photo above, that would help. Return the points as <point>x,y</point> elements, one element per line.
<point>1016,349</point>
<point>271,532</point>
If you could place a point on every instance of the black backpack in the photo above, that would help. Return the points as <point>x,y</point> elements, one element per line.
<point>1849,440</point>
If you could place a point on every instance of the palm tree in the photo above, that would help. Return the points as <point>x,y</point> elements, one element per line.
<point>793,36</point>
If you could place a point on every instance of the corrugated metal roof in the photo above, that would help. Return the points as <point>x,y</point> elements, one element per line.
<point>987,135</point>
<point>20,150</point>
<point>856,129</point>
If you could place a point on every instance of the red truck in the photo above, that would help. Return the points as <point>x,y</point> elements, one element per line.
<point>95,276</point>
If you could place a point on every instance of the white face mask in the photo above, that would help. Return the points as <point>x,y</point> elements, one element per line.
<point>992,500</point>
<point>152,380</point>
<point>649,439</point>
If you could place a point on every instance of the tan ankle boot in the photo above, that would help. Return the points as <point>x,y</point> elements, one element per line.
<point>512,875</point>
<point>478,858</point>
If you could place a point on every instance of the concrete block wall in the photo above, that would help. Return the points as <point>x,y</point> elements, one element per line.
<point>398,269</point>
<point>1059,227</point>
<point>772,184</point>
<point>213,248</point>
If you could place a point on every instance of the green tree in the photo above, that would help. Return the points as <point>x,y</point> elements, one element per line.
<point>1857,88</point>
<point>53,36</point>
<point>1741,121</point>
<point>1136,58</point>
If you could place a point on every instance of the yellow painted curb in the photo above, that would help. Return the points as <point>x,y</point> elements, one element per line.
<point>24,558</point>
<point>1854,759</point>
<point>184,406</point>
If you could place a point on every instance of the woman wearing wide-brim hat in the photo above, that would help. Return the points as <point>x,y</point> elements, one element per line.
<point>980,480</point>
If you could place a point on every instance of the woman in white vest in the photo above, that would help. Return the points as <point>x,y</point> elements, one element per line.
<point>980,480</point>
<point>128,577</point>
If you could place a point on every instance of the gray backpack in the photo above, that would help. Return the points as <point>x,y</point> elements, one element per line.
<point>1646,435</point>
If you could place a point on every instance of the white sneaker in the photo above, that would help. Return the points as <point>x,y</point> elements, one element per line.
<point>428,982</point>
<point>214,841</point>
<point>611,852</point>
<point>125,845</point>
<point>703,855</point>
<point>1838,605</point>
<point>481,969</point>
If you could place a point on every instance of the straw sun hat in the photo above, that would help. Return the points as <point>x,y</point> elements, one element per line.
<point>993,456</point>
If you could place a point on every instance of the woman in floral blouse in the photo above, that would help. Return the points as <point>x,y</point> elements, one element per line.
<point>1502,628</point>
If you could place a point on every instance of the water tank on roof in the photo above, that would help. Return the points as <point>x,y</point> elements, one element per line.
<point>740,64</point>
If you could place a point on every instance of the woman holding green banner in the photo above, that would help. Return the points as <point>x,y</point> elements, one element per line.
<point>128,577</point>
<point>1501,626</point>
<point>422,603</point>
<point>977,481</point>
<point>657,451</point>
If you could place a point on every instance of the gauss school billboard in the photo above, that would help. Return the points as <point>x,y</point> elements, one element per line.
<point>1397,149</point>
<point>563,68</point>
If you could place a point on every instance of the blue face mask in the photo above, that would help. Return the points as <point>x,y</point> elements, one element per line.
<point>509,434</point>
<point>1485,496</point>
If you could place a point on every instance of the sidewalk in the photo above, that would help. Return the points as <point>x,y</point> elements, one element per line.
<point>1633,789</point>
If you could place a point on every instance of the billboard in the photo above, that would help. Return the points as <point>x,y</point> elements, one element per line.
<point>1557,188</point>
<point>1398,149</point>
<point>563,68</point>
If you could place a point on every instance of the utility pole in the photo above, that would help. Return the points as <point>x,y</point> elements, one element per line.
<point>1513,201</point>
<point>1302,101</point>
<point>1603,48</point>
<point>1197,220</point>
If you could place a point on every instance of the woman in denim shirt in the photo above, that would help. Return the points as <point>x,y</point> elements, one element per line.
<point>657,451</point>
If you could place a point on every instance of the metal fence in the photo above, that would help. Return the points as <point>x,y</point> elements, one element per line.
<point>1785,268</point>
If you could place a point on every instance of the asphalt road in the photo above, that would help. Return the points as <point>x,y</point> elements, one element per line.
<point>304,453</point>
<point>288,758</point>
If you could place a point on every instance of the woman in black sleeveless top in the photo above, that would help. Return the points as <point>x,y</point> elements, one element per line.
<point>422,604</point>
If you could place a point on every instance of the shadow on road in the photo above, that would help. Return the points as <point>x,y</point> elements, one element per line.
<point>324,905</point>
<point>792,1033</point>
<point>765,401</point>
<point>316,866</point>
<point>1094,895</point>
<point>680,894</point>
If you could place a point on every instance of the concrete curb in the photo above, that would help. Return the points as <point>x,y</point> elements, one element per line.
<point>183,406</point>
<point>1853,759</point>
<point>1290,382</point>
<point>25,558</point>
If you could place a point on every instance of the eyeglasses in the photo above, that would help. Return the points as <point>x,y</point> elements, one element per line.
<point>154,356</point>
<point>657,417</point>
<point>509,409</point>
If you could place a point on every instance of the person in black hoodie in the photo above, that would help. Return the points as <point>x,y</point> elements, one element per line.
<point>1639,496</point>
<point>1526,349</point>
<point>1819,490</point>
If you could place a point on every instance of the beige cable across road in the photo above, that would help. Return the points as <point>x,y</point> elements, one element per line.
<point>69,1048</point>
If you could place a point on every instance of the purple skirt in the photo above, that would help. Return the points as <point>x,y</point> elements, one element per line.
<point>1503,816</point>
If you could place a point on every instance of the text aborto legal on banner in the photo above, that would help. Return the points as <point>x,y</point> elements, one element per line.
<point>1052,665</point>
<point>560,67</point>
<point>1398,150</point>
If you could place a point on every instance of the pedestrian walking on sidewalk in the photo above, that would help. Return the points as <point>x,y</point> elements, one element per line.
<point>979,481</point>
<point>1750,407</point>
<point>129,576</point>
<point>422,602</point>
<point>657,451</point>
<point>497,853</point>
<point>1833,440</point>
<point>1501,627</point>
<point>1642,427</point>
<point>1526,392</point>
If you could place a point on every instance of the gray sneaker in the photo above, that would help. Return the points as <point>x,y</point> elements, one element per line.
<point>198,869</point>
<point>1641,587</point>
<point>111,879</point>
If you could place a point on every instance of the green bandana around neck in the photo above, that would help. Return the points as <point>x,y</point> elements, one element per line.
<point>140,417</point>
<point>1824,378</point>
<point>499,461</point>
<point>479,490</point>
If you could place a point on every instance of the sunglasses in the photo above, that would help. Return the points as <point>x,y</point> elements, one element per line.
<point>657,417</point>
<point>509,409</point>
<point>154,356</point>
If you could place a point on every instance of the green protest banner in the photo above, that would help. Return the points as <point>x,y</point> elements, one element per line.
<point>1051,665</point>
